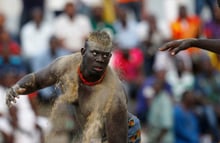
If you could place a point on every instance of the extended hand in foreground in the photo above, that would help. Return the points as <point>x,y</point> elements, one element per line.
<point>13,93</point>
<point>177,45</point>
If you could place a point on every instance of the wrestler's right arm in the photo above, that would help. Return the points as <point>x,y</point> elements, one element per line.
<point>176,46</point>
<point>34,81</point>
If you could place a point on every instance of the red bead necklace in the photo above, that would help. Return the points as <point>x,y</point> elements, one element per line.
<point>88,82</point>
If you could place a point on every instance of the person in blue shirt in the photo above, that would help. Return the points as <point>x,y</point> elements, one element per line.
<point>186,126</point>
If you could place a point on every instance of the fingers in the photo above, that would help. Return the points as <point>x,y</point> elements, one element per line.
<point>11,97</point>
<point>173,47</point>
<point>9,100</point>
<point>8,103</point>
<point>170,45</point>
<point>20,90</point>
<point>176,50</point>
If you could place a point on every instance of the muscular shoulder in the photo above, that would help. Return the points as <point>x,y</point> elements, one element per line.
<point>116,88</point>
<point>65,63</point>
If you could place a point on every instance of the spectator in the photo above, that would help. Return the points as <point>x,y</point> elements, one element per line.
<point>144,95</point>
<point>12,12</point>
<point>18,123</point>
<point>152,35</point>
<point>186,26</point>
<point>180,79</point>
<point>10,51</point>
<point>10,54</point>
<point>98,22</point>
<point>200,4</point>
<point>129,63</point>
<point>2,22</point>
<point>211,30</point>
<point>35,38</point>
<point>186,129</point>
<point>72,28</point>
<point>207,86</point>
<point>160,118</point>
<point>127,58</point>
<point>126,34</point>
<point>133,5</point>
<point>211,27</point>
<point>28,6</point>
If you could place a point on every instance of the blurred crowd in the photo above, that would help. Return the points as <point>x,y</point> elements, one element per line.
<point>175,97</point>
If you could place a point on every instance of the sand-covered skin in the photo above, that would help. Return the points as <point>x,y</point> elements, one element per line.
<point>92,103</point>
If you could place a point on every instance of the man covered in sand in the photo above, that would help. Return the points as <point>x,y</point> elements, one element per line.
<point>92,87</point>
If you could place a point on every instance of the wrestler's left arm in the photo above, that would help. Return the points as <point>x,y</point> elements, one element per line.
<point>117,126</point>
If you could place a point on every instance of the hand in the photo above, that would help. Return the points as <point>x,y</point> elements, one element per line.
<point>177,45</point>
<point>12,93</point>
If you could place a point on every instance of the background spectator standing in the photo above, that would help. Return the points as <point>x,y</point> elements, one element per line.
<point>211,30</point>
<point>180,79</point>
<point>133,5</point>
<point>160,118</point>
<point>151,34</point>
<point>201,4</point>
<point>186,26</point>
<point>186,125</point>
<point>12,14</point>
<point>71,28</point>
<point>128,57</point>
<point>98,22</point>
<point>27,10</point>
<point>18,124</point>
<point>145,93</point>
<point>34,39</point>
<point>207,86</point>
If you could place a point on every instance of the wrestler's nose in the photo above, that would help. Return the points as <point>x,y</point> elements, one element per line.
<point>99,58</point>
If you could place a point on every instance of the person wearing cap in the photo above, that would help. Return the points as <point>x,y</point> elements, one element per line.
<point>91,86</point>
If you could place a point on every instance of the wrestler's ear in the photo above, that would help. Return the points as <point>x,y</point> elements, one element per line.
<point>83,50</point>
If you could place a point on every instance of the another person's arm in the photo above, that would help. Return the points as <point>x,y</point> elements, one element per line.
<point>176,46</point>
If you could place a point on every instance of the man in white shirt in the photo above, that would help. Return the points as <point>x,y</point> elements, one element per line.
<point>72,28</point>
<point>35,37</point>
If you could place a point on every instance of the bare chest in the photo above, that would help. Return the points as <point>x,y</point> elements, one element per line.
<point>92,99</point>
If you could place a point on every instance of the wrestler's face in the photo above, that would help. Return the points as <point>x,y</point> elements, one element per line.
<point>95,59</point>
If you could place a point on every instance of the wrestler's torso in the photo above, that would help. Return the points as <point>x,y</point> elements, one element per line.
<point>91,99</point>
<point>72,86</point>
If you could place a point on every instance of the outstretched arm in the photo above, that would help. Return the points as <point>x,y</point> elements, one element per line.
<point>176,46</point>
<point>32,82</point>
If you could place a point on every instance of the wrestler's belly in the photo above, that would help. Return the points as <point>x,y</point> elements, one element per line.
<point>91,99</point>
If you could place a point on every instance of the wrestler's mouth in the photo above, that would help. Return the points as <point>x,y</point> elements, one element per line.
<point>98,69</point>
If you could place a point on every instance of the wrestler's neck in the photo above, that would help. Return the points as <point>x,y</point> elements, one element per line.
<point>86,76</point>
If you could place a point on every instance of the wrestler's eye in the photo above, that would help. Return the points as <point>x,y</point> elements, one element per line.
<point>94,53</point>
<point>105,56</point>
